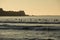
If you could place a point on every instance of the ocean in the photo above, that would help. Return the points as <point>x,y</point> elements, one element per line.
<point>28,34</point>
<point>29,31</point>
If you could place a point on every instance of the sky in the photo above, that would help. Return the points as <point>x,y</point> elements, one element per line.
<point>32,7</point>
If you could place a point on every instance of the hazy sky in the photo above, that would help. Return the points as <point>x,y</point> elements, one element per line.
<point>32,7</point>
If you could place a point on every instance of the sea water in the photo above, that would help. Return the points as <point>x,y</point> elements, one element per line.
<point>15,34</point>
<point>9,34</point>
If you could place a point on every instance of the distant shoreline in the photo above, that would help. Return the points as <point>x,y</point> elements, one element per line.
<point>34,16</point>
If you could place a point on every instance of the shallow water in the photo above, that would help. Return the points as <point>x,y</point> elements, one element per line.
<point>21,34</point>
